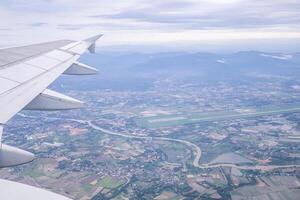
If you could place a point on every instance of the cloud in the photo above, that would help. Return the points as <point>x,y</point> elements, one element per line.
<point>43,6</point>
<point>148,22</point>
<point>38,24</point>
<point>204,15</point>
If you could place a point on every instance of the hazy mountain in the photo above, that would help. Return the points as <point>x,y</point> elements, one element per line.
<point>139,70</point>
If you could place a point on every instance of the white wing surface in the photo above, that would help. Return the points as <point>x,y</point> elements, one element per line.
<point>18,191</point>
<point>25,74</point>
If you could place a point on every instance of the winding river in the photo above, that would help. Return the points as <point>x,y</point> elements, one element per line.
<point>196,149</point>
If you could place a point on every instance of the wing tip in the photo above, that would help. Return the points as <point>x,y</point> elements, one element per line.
<point>93,39</point>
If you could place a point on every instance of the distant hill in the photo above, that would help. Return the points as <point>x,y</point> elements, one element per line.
<point>138,70</point>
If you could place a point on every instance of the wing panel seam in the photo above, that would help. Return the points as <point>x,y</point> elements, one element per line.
<point>33,78</point>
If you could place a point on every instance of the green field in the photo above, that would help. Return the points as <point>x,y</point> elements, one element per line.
<point>110,183</point>
<point>35,173</point>
<point>195,117</point>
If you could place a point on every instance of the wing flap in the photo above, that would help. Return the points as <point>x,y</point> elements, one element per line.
<point>7,85</point>
<point>13,72</point>
<point>43,62</point>
<point>58,55</point>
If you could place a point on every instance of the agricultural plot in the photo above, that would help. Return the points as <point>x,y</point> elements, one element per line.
<point>230,158</point>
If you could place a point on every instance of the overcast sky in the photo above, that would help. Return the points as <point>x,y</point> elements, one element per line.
<point>159,24</point>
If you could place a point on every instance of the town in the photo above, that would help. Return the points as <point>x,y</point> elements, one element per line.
<point>175,141</point>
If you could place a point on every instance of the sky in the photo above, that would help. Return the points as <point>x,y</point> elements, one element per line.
<point>156,25</point>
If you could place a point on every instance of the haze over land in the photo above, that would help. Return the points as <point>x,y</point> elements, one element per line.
<point>170,125</point>
<point>120,69</point>
<point>195,99</point>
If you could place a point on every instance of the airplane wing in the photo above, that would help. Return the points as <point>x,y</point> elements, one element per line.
<point>25,74</point>
<point>18,191</point>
